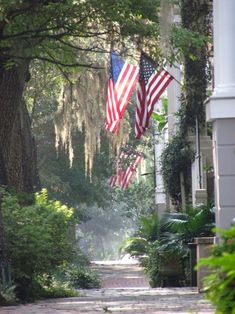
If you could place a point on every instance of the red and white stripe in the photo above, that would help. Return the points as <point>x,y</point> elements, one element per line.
<point>130,171</point>
<point>141,110</point>
<point>119,95</point>
<point>120,174</point>
<point>147,97</point>
<point>112,180</point>
<point>157,83</point>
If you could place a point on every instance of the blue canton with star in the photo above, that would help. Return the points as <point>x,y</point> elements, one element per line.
<point>147,68</point>
<point>116,66</point>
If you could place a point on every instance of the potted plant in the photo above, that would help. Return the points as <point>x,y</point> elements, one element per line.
<point>184,227</point>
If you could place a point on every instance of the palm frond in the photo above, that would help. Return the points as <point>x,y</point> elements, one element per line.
<point>135,246</point>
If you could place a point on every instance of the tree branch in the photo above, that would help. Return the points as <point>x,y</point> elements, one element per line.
<point>56,62</point>
<point>91,49</point>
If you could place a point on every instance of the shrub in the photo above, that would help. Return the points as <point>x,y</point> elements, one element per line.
<point>220,284</point>
<point>37,237</point>
<point>51,287</point>
<point>7,295</point>
<point>81,277</point>
<point>194,222</point>
<point>162,245</point>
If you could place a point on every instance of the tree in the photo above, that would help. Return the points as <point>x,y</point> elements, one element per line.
<point>52,31</point>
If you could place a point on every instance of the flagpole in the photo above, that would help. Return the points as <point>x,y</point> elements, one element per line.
<point>198,153</point>
<point>174,77</point>
<point>154,160</point>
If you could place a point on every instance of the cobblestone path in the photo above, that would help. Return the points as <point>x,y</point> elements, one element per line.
<point>125,290</point>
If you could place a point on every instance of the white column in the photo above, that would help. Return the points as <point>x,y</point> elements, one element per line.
<point>159,145</point>
<point>173,94</point>
<point>221,111</point>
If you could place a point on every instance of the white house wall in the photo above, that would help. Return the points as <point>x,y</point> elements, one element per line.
<point>221,111</point>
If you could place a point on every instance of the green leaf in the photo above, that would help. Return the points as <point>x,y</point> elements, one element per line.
<point>160,118</point>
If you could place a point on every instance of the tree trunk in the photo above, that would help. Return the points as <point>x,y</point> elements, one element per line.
<point>18,168</point>
<point>17,147</point>
<point>21,164</point>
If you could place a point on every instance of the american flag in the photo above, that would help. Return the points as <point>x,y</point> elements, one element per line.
<point>152,83</point>
<point>127,176</point>
<point>112,180</point>
<point>120,174</point>
<point>120,168</point>
<point>116,179</point>
<point>121,84</point>
<point>124,176</point>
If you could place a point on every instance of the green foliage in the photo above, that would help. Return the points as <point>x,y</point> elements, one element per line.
<point>54,31</point>
<point>192,35</point>
<point>148,231</point>
<point>176,158</point>
<point>144,245</point>
<point>161,118</point>
<point>195,222</point>
<point>68,184</point>
<point>66,279</point>
<point>149,227</point>
<point>165,265</point>
<point>183,40</point>
<point>49,286</point>
<point>42,230</point>
<point>115,212</point>
<point>137,200</point>
<point>151,244</point>
<point>82,277</point>
<point>220,284</point>
<point>195,20</point>
<point>42,91</point>
<point>189,41</point>
<point>193,98</point>
<point>76,275</point>
<point>135,246</point>
<point>162,245</point>
<point>37,238</point>
<point>7,295</point>
<point>59,290</point>
<point>182,228</point>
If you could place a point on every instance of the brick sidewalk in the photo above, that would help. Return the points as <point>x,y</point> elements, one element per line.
<point>116,299</point>
<point>124,283</point>
<point>121,276</point>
